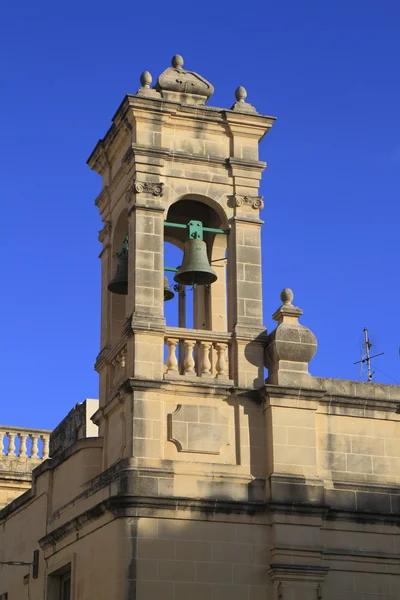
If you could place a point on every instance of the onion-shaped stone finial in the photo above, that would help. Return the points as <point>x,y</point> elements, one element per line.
<point>177,61</point>
<point>241,94</point>
<point>290,347</point>
<point>146,79</point>
<point>287,296</point>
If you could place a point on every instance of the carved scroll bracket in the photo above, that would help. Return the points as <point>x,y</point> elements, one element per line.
<point>255,202</point>
<point>146,187</point>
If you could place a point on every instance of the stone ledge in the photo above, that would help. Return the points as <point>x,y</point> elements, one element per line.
<point>285,572</point>
<point>343,388</point>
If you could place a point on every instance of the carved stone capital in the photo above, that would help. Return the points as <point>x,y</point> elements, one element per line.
<point>146,187</point>
<point>255,202</point>
<point>105,232</point>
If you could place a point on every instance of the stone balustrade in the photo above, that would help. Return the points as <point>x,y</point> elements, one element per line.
<point>197,353</point>
<point>22,443</point>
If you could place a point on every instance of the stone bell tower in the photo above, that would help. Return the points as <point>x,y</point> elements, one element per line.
<point>171,165</point>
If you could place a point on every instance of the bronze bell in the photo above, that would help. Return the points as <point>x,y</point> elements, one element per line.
<point>119,285</point>
<point>168,293</point>
<point>195,268</point>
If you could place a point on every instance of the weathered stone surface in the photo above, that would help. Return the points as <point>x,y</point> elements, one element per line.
<point>76,425</point>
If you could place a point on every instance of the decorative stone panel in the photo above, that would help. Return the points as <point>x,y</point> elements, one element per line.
<point>198,428</point>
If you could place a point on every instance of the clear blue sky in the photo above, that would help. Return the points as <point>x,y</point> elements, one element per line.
<point>328,70</point>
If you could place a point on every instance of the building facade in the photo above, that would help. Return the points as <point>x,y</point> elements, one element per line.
<point>204,479</point>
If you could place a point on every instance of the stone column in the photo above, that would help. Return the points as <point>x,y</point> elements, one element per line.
<point>245,300</point>
<point>105,332</point>
<point>145,299</point>
<point>219,290</point>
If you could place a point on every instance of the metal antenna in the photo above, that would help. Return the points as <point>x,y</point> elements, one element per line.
<point>366,358</point>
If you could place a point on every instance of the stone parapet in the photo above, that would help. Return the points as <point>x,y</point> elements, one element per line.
<point>21,450</point>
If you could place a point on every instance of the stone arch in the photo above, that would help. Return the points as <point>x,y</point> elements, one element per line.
<point>209,302</point>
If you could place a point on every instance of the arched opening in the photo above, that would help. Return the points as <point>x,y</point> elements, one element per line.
<point>204,306</point>
<point>118,301</point>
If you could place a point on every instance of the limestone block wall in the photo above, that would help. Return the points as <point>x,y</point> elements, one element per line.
<point>181,557</point>
<point>342,437</point>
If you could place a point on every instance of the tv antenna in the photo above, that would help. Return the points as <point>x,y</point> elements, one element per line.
<point>366,357</point>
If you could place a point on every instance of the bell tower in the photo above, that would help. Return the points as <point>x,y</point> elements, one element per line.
<point>177,171</point>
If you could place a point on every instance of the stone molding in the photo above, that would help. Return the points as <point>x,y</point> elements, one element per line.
<point>242,163</point>
<point>290,572</point>
<point>197,428</point>
<point>102,196</point>
<point>105,232</point>
<point>133,506</point>
<point>255,202</point>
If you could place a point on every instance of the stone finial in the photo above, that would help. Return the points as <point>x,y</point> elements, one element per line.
<point>241,105</point>
<point>177,61</point>
<point>146,79</point>
<point>287,296</point>
<point>241,94</point>
<point>290,347</point>
<point>179,85</point>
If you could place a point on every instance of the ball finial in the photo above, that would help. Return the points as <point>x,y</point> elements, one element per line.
<point>146,79</point>
<point>177,61</point>
<point>241,94</point>
<point>287,296</point>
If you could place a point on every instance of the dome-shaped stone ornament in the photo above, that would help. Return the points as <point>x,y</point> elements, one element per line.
<point>179,85</point>
<point>290,347</point>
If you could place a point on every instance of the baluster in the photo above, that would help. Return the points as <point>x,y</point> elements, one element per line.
<point>122,360</point>
<point>115,365</point>
<point>2,449</point>
<point>188,362</point>
<point>221,366</point>
<point>34,449</point>
<point>22,448</point>
<point>45,439</point>
<point>171,362</point>
<point>205,363</point>
<point>11,444</point>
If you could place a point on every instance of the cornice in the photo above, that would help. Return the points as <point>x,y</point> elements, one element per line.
<point>104,194</point>
<point>129,506</point>
<point>290,572</point>
<point>367,404</point>
<point>165,154</point>
<point>293,392</point>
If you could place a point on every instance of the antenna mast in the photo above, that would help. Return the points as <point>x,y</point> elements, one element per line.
<point>366,358</point>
